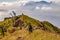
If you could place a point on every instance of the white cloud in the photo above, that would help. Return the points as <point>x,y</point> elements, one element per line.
<point>46,8</point>
<point>6,3</point>
<point>19,5</point>
<point>37,8</point>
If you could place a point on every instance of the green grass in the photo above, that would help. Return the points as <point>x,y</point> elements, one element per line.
<point>52,32</point>
<point>9,22</point>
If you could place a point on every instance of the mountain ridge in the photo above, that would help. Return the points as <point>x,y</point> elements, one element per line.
<point>40,2</point>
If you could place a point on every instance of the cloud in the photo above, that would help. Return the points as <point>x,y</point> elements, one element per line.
<point>37,8</point>
<point>2,10</point>
<point>3,15</point>
<point>41,0</point>
<point>46,8</point>
<point>53,0</point>
<point>21,5</point>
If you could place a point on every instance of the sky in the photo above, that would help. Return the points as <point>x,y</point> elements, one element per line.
<point>48,10</point>
<point>27,0</point>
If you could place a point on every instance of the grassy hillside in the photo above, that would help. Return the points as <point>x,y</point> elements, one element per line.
<point>35,35</point>
<point>46,30</point>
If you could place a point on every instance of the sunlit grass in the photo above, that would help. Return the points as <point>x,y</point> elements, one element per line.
<point>39,34</point>
<point>35,35</point>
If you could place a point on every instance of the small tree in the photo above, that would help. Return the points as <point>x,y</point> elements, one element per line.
<point>30,27</point>
<point>3,30</point>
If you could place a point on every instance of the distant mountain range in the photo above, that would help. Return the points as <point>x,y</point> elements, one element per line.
<point>38,3</point>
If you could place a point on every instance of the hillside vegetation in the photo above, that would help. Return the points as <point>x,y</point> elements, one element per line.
<point>42,30</point>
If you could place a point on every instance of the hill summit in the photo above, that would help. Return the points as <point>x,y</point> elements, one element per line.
<point>13,24</point>
<point>44,25</point>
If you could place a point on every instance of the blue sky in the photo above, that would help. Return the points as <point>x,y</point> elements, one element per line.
<point>48,10</point>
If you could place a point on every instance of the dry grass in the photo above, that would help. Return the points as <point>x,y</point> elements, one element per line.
<point>35,35</point>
